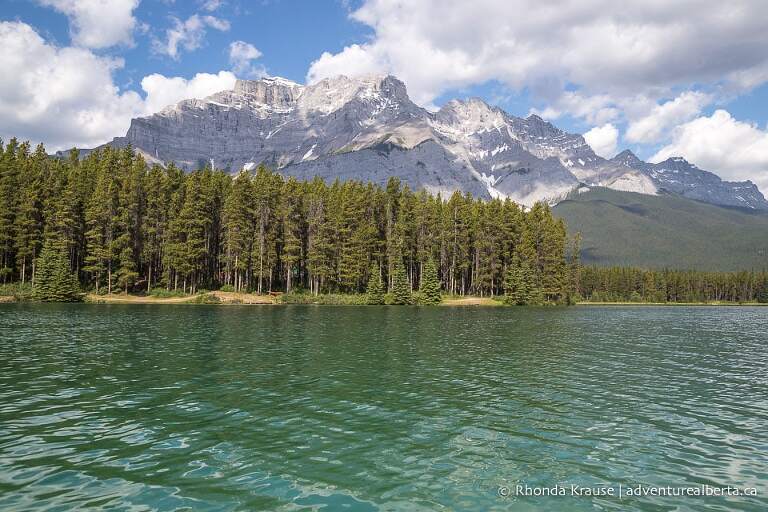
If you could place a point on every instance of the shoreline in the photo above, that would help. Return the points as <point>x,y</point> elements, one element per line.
<point>250,299</point>
<point>656,304</point>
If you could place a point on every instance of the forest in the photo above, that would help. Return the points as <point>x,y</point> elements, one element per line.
<point>628,284</point>
<point>109,223</point>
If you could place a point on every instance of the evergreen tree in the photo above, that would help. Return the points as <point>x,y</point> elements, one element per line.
<point>293,231</point>
<point>8,208</point>
<point>401,288</point>
<point>516,292</point>
<point>429,287</point>
<point>29,222</point>
<point>320,236</point>
<point>574,270</point>
<point>100,225</point>
<point>239,225</point>
<point>375,290</point>
<point>55,282</point>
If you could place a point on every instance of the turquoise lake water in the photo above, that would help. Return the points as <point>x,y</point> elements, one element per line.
<point>132,407</point>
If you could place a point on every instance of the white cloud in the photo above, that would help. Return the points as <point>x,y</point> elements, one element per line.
<point>98,23</point>
<point>653,126</point>
<point>735,150</point>
<point>67,97</point>
<point>598,109</point>
<point>163,91</point>
<point>62,96</point>
<point>217,23</point>
<point>241,55</point>
<point>609,52</point>
<point>603,139</point>
<point>188,34</point>
<point>212,5</point>
<point>353,60</point>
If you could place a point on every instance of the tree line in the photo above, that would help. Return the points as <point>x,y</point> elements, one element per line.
<point>120,225</point>
<point>627,284</point>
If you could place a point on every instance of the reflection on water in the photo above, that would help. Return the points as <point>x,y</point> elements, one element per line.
<point>283,408</point>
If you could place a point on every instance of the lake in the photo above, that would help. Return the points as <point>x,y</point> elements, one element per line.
<point>380,408</point>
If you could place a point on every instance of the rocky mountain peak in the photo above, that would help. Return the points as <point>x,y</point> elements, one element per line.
<point>471,115</point>
<point>330,94</point>
<point>627,158</point>
<point>274,91</point>
<point>677,162</point>
<point>538,127</point>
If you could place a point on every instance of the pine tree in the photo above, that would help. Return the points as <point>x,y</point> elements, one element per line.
<point>239,225</point>
<point>374,294</point>
<point>429,287</point>
<point>401,288</point>
<point>516,291</point>
<point>574,270</point>
<point>128,220</point>
<point>8,208</point>
<point>293,229</point>
<point>320,246</point>
<point>100,225</point>
<point>54,281</point>
<point>154,224</point>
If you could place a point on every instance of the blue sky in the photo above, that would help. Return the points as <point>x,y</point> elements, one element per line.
<point>689,78</point>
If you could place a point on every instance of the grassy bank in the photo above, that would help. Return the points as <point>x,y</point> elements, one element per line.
<point>15,293</point>
<point>234,298</point>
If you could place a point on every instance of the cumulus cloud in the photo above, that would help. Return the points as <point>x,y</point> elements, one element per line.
<point>241,57</point>
<point>604,51</point>
<point>354,60</point>
<point>188,35</point>
<point>67,97</point>
<point>653,126</point>
<point>98,23</point>
<point>734,149</point>
<point>603,139</point>
<point>63,96</point>
<point>163,91</point>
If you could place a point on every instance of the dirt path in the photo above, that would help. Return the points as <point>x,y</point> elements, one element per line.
<point>136,299</point>
<point>471,301</point>
<point>223,297</point>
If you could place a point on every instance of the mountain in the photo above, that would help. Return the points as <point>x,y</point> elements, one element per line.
<point>678,176</point>
<point>368,129</point>
<point>665,231</point>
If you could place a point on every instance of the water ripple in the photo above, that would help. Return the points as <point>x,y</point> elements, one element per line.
<point>213,408</point>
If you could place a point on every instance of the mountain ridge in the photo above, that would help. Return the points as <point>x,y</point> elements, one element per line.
<point>331,128</point>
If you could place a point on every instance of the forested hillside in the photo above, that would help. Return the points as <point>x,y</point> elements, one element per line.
<point>125,226</point>
<point>665,231</point>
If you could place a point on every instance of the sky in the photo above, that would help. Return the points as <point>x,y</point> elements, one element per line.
<point>685,78</point>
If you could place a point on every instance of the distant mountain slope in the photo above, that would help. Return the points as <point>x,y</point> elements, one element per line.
<point>624,228</point>
<point>367,128</point>
<point>678,176</point>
